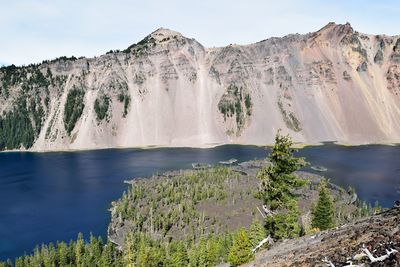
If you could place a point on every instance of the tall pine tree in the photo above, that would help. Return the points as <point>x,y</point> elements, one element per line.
<point>277,188</point>
<point>323,213</point>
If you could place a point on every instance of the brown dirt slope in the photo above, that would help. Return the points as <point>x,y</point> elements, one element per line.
<point>378,233</point>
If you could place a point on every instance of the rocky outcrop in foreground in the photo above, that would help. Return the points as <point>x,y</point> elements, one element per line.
<point>373,241</point>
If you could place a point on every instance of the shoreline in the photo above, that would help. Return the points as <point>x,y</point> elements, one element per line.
<point>296,145</point>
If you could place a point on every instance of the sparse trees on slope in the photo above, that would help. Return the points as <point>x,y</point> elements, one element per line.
<point>324,212</point>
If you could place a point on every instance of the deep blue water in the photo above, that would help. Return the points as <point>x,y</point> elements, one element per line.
<point>46,197</point>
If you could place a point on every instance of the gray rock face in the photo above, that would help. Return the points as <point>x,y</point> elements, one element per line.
<point>168,90</point>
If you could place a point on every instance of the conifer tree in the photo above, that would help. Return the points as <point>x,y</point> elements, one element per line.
<point>257,232</point>
<point>277,188</point>
<point>93,251</point>
<point>143,255</point>
<point>109,256</point>
<point>202,250</point>
<point>149,255</point>
<point>179,257</point>
<point>212,251</point>
<point>240,251</point>
<point>285,222</point>
<point>323,213</point>
<point>80,250</point>
<point>63,256</point>
<point>129,251</point>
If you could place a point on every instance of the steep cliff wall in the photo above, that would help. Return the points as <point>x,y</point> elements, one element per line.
<point>332,85</point>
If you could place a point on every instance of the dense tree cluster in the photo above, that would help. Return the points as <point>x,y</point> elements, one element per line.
<point>75,253</point>
<point>101,105</point>
<point>144,251</point>
<point>10,76</point>
<point>38,79</point>
<point>26,77</point>
<point>73,108</point>
<point>21,123</point>
<point>235,103</point>
<point>209,250</point>
<point>20,126</point>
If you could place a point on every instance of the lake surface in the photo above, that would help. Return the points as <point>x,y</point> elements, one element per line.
<point>46,197</point>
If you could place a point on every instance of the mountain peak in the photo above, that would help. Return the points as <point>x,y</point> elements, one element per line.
<point>339,28</point>
<point>163,33</point>
<point>333,31</point>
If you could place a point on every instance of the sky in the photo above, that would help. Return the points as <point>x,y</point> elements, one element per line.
<point>35,30</point>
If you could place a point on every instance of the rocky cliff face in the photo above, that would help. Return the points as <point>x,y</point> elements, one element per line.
<point>332,85</point>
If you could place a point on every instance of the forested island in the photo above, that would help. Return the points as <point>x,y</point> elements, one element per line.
<point>219,215</point>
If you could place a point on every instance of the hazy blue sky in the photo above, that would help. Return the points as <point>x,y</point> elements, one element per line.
<point>34,30</point>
